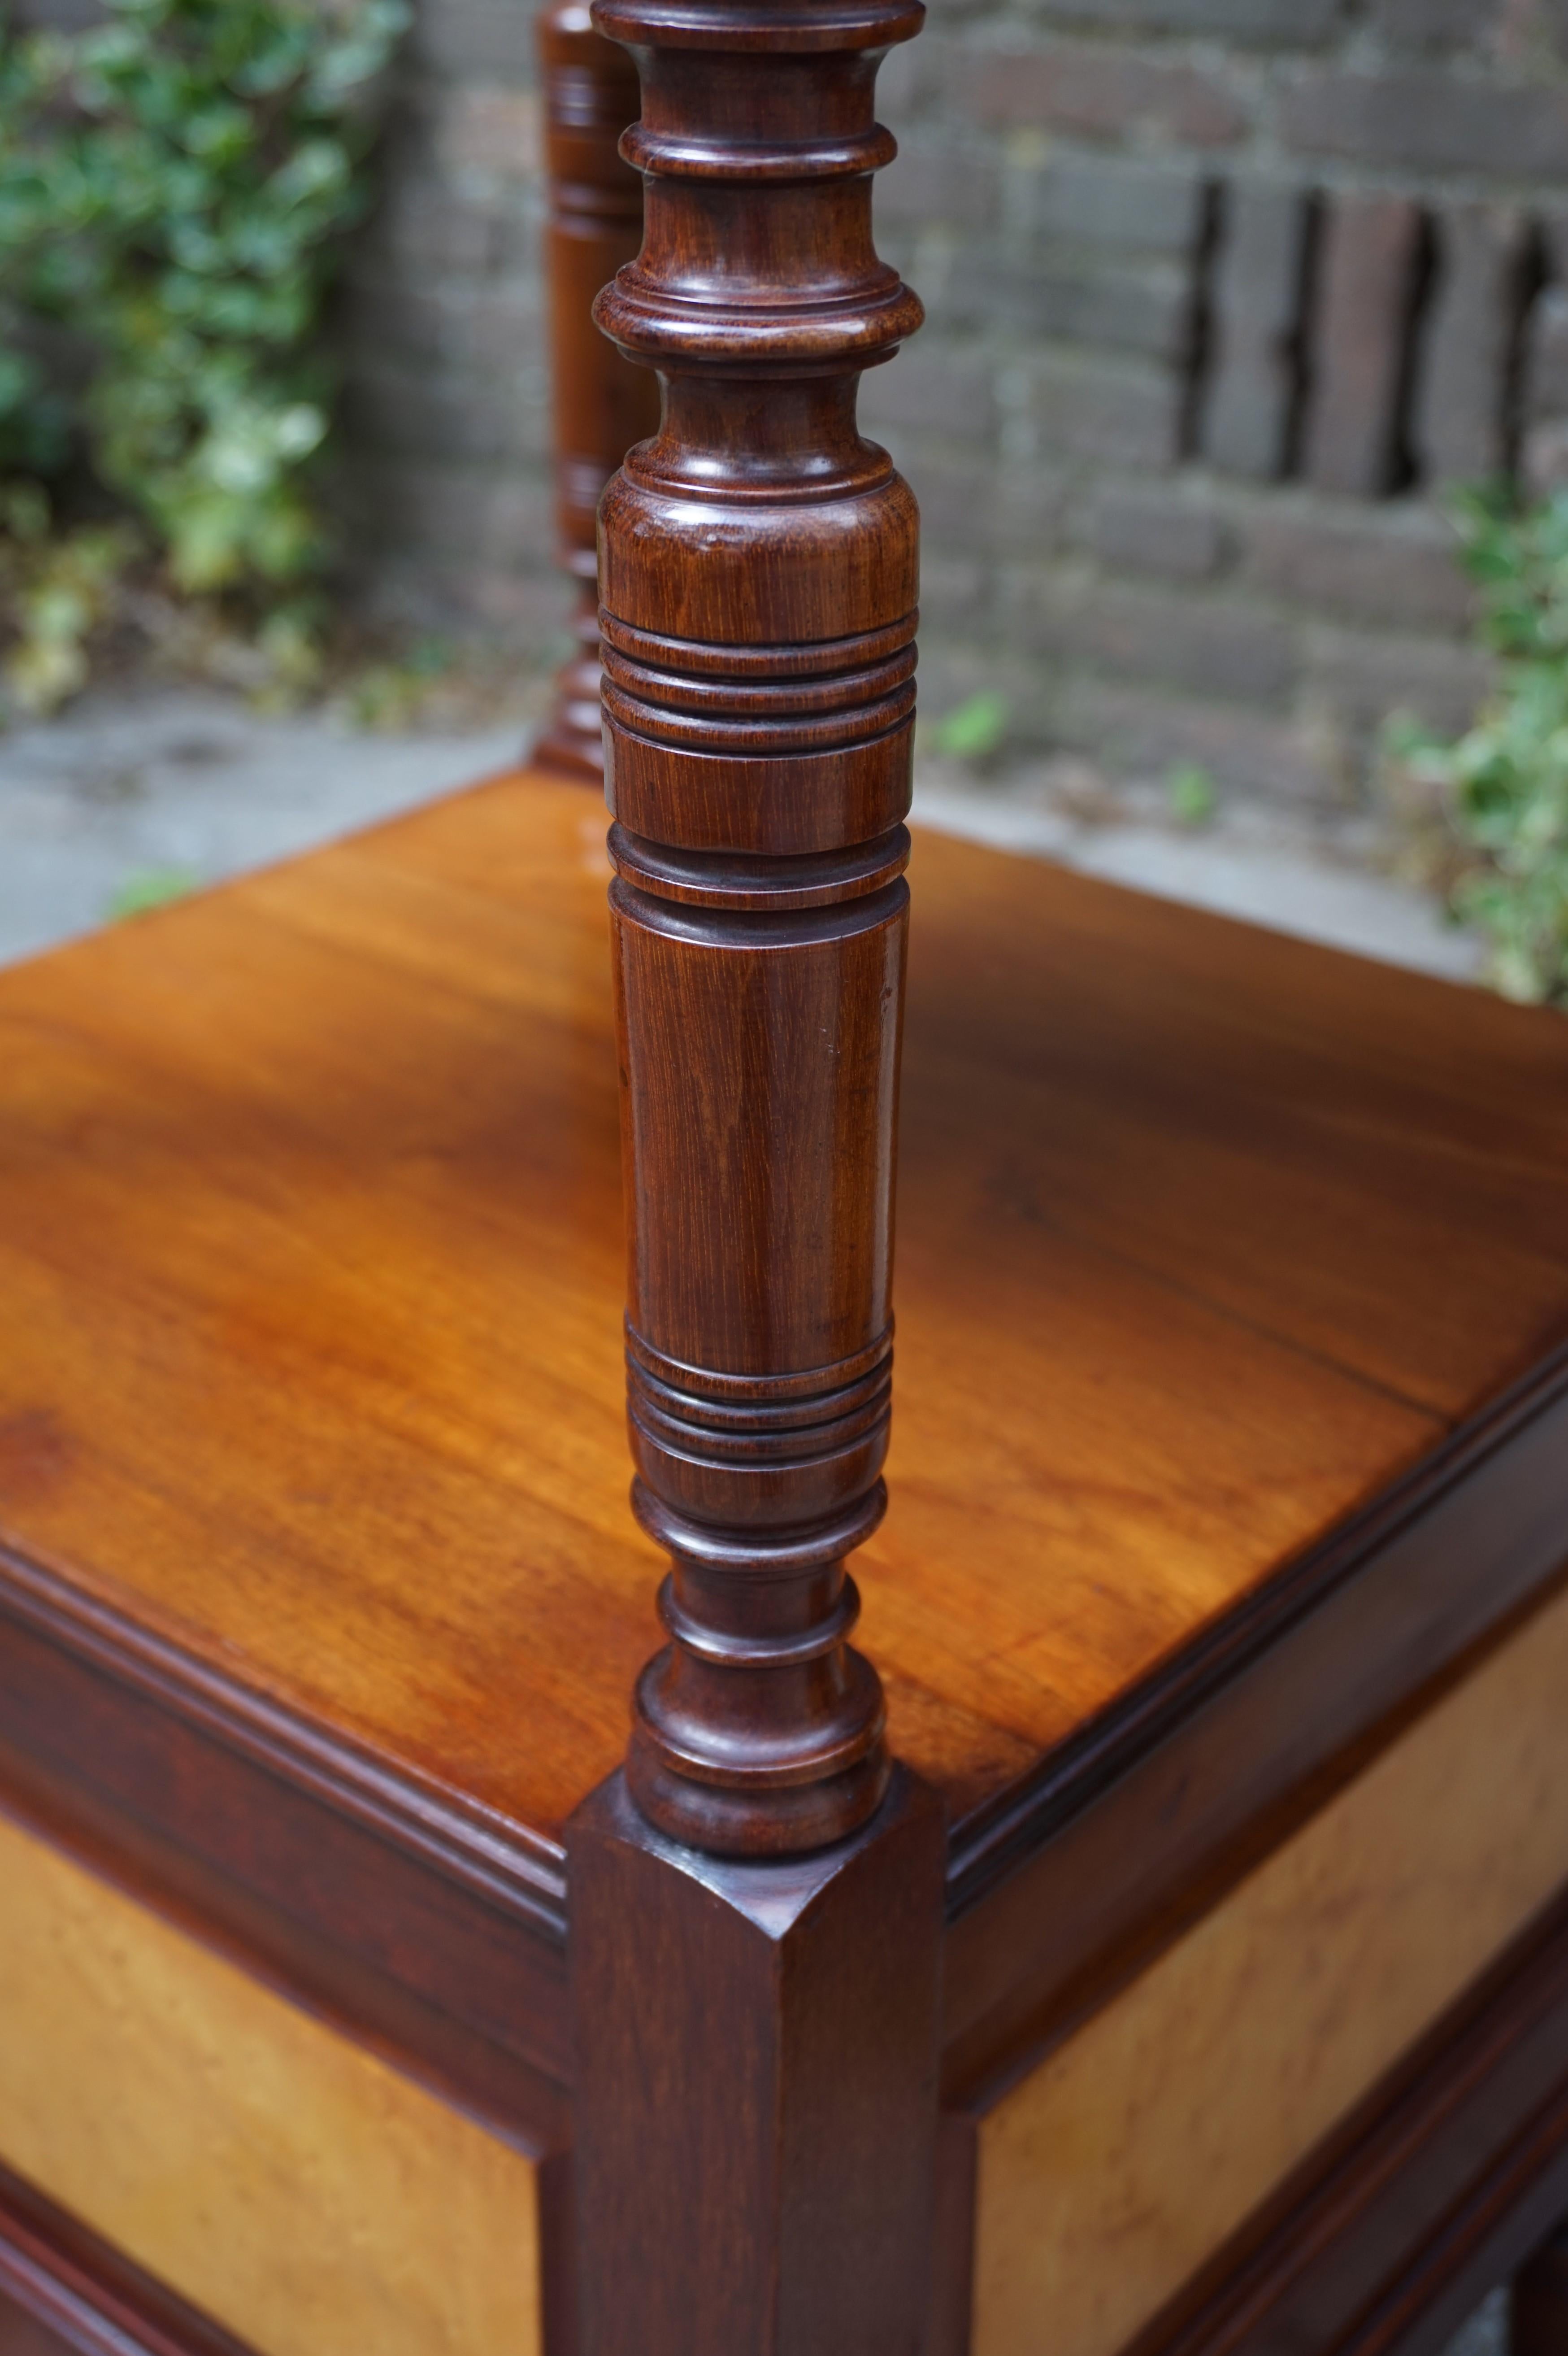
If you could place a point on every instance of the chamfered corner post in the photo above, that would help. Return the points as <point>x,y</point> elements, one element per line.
<point>755,1900</point>
<point>1538,2304</point>
<point>601,402</point>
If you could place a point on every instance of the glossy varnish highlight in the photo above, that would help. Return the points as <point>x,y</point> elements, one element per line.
<point>310,1251</point>
<point>758,578</point>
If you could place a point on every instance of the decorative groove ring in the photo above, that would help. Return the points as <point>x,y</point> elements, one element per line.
<point>812,1411</point>
<point>812,1382</point>
<point>754,1458</point>
<point>703,658</point>
<point>751,698</point>
<point>789,31</point>
<point>725,879</point>
<point>739,1450</point>
<point>760,1554</point>
<point>669,157</point>
<point>724,1650</point>
<point>833,732</point>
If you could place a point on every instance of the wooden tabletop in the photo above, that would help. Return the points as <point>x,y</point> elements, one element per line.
<point>309,1275</point>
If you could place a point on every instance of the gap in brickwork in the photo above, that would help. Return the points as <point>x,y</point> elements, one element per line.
<point>1298,342</point>
<point>1198,339</point>
<point>1404,470</point>
<point>1531,277</point>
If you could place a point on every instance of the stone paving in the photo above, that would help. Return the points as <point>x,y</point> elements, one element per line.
<point>134,792</point>
<point>142,792</point>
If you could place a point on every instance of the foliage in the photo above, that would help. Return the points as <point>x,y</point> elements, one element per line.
<point>1505,780</point>
<point>973,729</point>
<point>172,186</point>
<point>56,589</point>
<point>1192,793</point>
<point>393,696</point>
<point>146,888</point>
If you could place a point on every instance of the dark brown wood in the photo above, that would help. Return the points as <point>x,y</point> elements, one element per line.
<point>1538,2306</point>
<point>394,1903</point>
<point>65,2292</point>
<point>602,404</point>
<point>259,1150</point>
<point>307,1243</point>
<point>758,576</point>
<point>309,1212</point>
<point>756,2091</point>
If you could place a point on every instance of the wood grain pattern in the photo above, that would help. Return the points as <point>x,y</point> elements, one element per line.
<point>1109,2176</point>
<point>282,2180</point>
<point>310,1252</point>
<point>756,2106</point>
<point>1391,2235</point>
<point>321,1602</point>
<point>758,573</point>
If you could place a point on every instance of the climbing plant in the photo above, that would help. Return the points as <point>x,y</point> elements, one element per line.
<point>174,187</point>
<point>1505,779</point>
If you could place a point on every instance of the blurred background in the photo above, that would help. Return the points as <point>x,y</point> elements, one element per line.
<point>1237,425</point>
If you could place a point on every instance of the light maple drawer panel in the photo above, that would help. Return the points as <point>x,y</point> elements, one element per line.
<point>1128,2157</point>
<point>272,2172</point>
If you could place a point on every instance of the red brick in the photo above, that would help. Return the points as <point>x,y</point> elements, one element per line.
<point>1395,565</point>
<point>1434,24</point>
<point>1110,206</point>
<point>1428,121</point>
<point>1546,384</point>
<point>1357,338</point>
<point>1295,23</point>
<point>1066,299</point>
<point>940,386</point>
<point>1364,677</point>
<point>1212,645</point>
<point>931,181</point>
<point>1461,387</point>
<point>1120,414</point>
<point>1256,321</point>
<point>490,128</point>
<point>1146,527</point>
<point>1144,734</point>
<point>1102,92</point>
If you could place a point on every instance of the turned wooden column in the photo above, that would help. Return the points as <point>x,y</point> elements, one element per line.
<point>758,579</point>
<point>755,1904</point>
<point>602,403</point>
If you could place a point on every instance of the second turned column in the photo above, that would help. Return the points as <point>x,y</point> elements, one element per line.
<point>602,404</point>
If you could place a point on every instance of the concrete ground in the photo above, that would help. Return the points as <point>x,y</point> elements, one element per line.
<point>134,795</point>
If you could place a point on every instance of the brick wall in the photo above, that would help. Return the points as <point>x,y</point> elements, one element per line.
<point>1220,293</point>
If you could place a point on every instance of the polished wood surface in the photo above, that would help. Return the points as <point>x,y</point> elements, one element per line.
<point>1113,2172</point>
<point>602,404</point>
<point>758,575</point>
<point>273,2173</point>
<point>756,2101</point>
<point>310,1249</point>
<point>64,2291</point>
